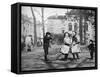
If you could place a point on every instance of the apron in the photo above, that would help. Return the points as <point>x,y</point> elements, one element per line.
<point>65,48</point>
<point>76,48</point>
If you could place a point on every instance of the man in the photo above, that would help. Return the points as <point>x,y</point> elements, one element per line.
<point>46,44</point>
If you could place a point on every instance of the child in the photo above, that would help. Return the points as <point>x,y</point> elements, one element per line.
<point>91,48</point>
<point>66,47</point>
<point>75,47</point>
<point>46,44</point>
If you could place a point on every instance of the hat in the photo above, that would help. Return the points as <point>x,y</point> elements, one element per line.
<point>48,33</point>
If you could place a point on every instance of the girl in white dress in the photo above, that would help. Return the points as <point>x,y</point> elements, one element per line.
<point>28,42</point>
<point>66,47</point>
<point>75,46</point>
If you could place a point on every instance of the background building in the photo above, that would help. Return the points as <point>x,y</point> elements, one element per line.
<point>58,24</point>
<point>27,27</point>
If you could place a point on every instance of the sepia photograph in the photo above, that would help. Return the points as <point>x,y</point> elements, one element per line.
<point>57,38</point>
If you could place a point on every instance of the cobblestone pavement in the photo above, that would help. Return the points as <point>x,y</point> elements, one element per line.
<point>34,60</point>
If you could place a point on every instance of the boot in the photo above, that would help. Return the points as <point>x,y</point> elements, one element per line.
<point>65,57</point>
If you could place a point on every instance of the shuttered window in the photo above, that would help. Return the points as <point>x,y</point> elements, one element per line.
<point>75,27</point>
<point>86,26</point>
<point>70,26</point>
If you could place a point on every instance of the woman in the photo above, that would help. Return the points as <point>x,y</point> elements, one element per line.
<point>28,42</point>
<point>66,47</point>
<point>75,46</point>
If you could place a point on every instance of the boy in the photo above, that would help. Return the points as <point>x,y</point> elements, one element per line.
<point>91,48</point>
<point>46,44</point>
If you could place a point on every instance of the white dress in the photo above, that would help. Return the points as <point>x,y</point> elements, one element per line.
<point>76,48</point>
<point>65,48</point>
<point>28,42</point>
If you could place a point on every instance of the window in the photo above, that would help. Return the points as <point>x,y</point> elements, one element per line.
<point>86,26</point>
<point>75,27</point>
<point>70,26</point>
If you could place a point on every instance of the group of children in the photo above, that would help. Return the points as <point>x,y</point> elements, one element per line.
<point>71,45</point>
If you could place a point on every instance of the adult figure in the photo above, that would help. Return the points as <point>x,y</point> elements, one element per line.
<point>28,42</point>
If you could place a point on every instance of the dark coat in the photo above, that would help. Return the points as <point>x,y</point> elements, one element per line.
<point>46,41</point>
<point>91,47</point>
<point>74,39</point>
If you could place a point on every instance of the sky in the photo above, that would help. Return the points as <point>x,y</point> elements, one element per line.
<point>26,10</point>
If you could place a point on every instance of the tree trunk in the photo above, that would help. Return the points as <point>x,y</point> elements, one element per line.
<point>35,33</point>
<point>80,29</point>
<point>42,10</point>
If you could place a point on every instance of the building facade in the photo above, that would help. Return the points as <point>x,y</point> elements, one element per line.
<point>61,24</point>
<point>27,29</point>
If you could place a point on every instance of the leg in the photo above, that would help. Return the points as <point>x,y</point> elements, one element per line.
<point>73,55</point>
<point>29,48</point>
<point>77,55</point>
<point>45,53</point>
<point>66,56</point>
<point>91,54</point>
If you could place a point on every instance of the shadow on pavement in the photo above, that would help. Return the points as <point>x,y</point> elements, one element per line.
<point>49,64</point>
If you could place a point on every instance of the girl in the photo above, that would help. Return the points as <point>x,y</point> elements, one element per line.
<point>66,47</point>
<point>75,46</point>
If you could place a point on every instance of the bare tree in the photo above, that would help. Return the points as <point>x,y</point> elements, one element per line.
<point>41,14</point>
<point>42,10</point>
<point>35,33</point>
